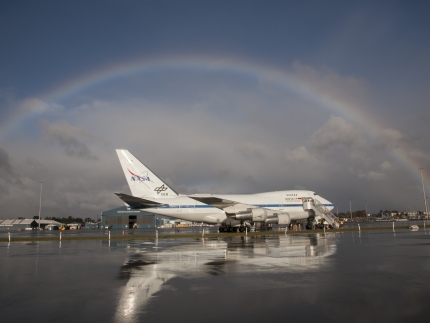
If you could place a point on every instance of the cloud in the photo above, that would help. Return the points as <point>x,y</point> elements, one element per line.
<point>299,155</point>
<point>14,110</point>
<point>8,177</point>
<point>5,166</point>
<point>386,166</point>
<point>329,84</point>
<point>337,132</point>
<point>419,154</point>
<point>5,172</point>
<point>373,176</point>
<point>390,138</point>
<point>69,138</point>
<point>255,150</point>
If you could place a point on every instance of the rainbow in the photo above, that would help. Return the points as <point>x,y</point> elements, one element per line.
<point>289,80</point>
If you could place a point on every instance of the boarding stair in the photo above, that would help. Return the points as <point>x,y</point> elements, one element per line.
<point>320,210</point>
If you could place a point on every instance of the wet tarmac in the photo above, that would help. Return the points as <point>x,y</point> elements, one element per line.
<point>386,224</point>
<point>372,276</point>
<point>16,233</point>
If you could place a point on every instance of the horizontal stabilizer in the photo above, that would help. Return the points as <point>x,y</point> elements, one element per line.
<point>136,202</point>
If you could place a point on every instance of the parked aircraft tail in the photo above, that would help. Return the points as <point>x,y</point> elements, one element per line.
<point>141,180</point>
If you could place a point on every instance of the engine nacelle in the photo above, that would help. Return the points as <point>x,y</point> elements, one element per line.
<point>273,219</point>
<point>280,218</point>
<point>256,215</point>
<point>284,219</point>
<point>262,215</point>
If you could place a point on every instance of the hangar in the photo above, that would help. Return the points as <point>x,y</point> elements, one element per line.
<point>123,218</point>
<point>26,224</point>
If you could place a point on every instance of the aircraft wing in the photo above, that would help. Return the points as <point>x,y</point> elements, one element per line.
<point>228,206</point>
<point>137,202</point>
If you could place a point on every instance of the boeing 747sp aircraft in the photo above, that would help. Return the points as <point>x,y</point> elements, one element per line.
<point>232,212</point>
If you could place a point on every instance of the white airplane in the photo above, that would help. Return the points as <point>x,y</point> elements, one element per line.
<point>232,212</point>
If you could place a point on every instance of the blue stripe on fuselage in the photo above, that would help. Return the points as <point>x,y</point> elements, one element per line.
<point>205,206</point>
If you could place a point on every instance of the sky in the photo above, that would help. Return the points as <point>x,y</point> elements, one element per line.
<point>214,97</point>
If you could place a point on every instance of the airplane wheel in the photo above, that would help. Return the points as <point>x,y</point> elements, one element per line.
<point>241,229</point>
<point>221,229</point>
<point>230,229</point>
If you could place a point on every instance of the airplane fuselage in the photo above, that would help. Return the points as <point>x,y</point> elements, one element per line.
<point>186,208</point>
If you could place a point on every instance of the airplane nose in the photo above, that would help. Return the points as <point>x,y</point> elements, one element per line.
<point>329,205</point>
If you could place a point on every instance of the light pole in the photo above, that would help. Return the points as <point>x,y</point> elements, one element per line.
<point>40,201</point>
<point>424,192</point>
<point>350,212</point>
<point>337,209</point>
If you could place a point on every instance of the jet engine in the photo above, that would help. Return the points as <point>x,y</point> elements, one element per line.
<point>284,219</point>
<point>264,215</point>
<point>256,215</point>
<point>279,218</point>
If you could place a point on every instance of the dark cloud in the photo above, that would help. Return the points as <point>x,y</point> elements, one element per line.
<point>5,166</point>
<point>6,172</point>
<point>71,139</point>
<point>337,132</point>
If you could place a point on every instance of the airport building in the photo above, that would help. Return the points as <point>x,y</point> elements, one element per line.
<point>26,224</point>
<point>123,218</point>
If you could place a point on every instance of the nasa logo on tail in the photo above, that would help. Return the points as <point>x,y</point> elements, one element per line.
<point>139,178</point>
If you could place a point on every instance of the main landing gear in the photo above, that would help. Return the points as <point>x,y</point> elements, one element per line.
<point>229,228</point>
<point>310,224</point>
<point>265,227</point>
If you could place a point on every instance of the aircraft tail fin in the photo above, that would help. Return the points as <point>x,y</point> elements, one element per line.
<point>141,180</point>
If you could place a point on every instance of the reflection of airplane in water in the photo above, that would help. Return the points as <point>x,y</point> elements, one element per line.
<point>149,265</point>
